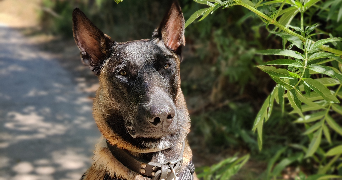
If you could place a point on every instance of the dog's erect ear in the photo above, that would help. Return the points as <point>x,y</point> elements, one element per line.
<point>171,29</point>
<point>93,44</point>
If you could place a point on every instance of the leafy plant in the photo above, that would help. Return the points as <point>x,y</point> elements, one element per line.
<point>118,1</point>
<point>224,169</point>
<point>308,76</point>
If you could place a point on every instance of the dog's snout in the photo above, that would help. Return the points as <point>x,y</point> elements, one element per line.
<point>162,115</point>
<point>157,114</point>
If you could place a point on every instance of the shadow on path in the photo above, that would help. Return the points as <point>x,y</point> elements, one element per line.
<point>46,127</point>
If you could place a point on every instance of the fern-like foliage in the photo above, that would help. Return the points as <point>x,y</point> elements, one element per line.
<point>305,76</point>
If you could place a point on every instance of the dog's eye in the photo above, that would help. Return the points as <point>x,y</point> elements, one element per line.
<point>167,66</point>
<point>123,73</point>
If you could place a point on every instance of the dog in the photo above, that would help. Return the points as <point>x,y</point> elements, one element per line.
<point>139,106</point>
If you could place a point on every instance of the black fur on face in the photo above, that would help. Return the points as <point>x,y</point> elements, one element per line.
<point>142,79</point>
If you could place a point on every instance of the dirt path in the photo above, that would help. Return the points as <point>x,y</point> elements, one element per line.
<point>46,127</point>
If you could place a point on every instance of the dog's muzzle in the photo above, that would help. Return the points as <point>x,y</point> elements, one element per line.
<point>154,117</point>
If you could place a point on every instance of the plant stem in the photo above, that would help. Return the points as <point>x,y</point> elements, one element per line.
<point>302,22</point>
<point>338,89</point>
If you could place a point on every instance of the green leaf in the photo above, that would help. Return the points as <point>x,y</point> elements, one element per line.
<point>314,96</point>
<point>276,93</point>
<point>224,169</point>
<point>339,166</point>
<point>334,151</point>
<point>310,118</point>
<point>309,29</point>
<point>323,177</point>
<point>293,82</point>
<point>309,3</point>
<point>294,101</point>
<point>286,19</point>
<point>261,114</point>
<point>265,3</point>
<point>231,169</point>
<point>259,129</point>
<point>338,59</point>
<point>326,133</point>
<point>320,61</point>
<point>280,73</point>
<point>248,2</point>
<point>281,91</point>
<point>298,4</point>
<point>306,108</point>
<point>313,128</point>
<point>194,16</point>
<point>325,168</point>
<point>307,89</point>
<point>321,42</point>
<point>210,11</point>
<point>326,70</point>
<point>298,29</point>
<point>273,96</point>
<point>332,123</point>
<point>339,94</point>
<point>333,8</point>
<point>273,160</point>
<point>215,1</point>
<point>314,144</point>
<point>118,1</point>
<point>284,163</point>
<point>321,89</point>
<point>328,81</point>
<point>307,101</point>
<point>264,113</point>
<point>282,83</point>
<point>293,39</point>
<point>201,2</point>
<point>284,62</point>
<point>281,52</point>
<point>318,177</point>
<point>299,146</point>
<point>319,55</point>
<point>337,108</point>
<point>339,14</point>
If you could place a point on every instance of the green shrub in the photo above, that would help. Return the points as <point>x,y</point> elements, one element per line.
<point>308,75</point>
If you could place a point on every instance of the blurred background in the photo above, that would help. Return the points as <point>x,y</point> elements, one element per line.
<point>47,131</point>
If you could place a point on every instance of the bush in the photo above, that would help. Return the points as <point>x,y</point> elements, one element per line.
<point>308,75</point>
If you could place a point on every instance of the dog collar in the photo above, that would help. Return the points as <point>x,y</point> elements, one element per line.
<point>156,171</point>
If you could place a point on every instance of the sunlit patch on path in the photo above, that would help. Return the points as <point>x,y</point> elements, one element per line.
<point>46,126</point>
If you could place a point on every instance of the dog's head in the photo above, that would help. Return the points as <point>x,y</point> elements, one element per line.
<point>139,105</point>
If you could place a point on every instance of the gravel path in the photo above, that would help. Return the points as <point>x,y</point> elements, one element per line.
<point>46,127</point>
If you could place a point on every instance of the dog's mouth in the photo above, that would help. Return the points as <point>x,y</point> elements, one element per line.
<point>149,131</point>
<point>142,136</point>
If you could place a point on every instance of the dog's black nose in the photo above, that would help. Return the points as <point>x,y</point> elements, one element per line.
<point>162,114</point>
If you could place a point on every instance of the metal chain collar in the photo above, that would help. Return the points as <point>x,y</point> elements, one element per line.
<point>156,171</point>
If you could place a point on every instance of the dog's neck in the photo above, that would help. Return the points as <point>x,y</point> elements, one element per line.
<point>151,164</point>
<point>164,156</point>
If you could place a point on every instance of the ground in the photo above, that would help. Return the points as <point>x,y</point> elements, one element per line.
<point>47,131</point>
